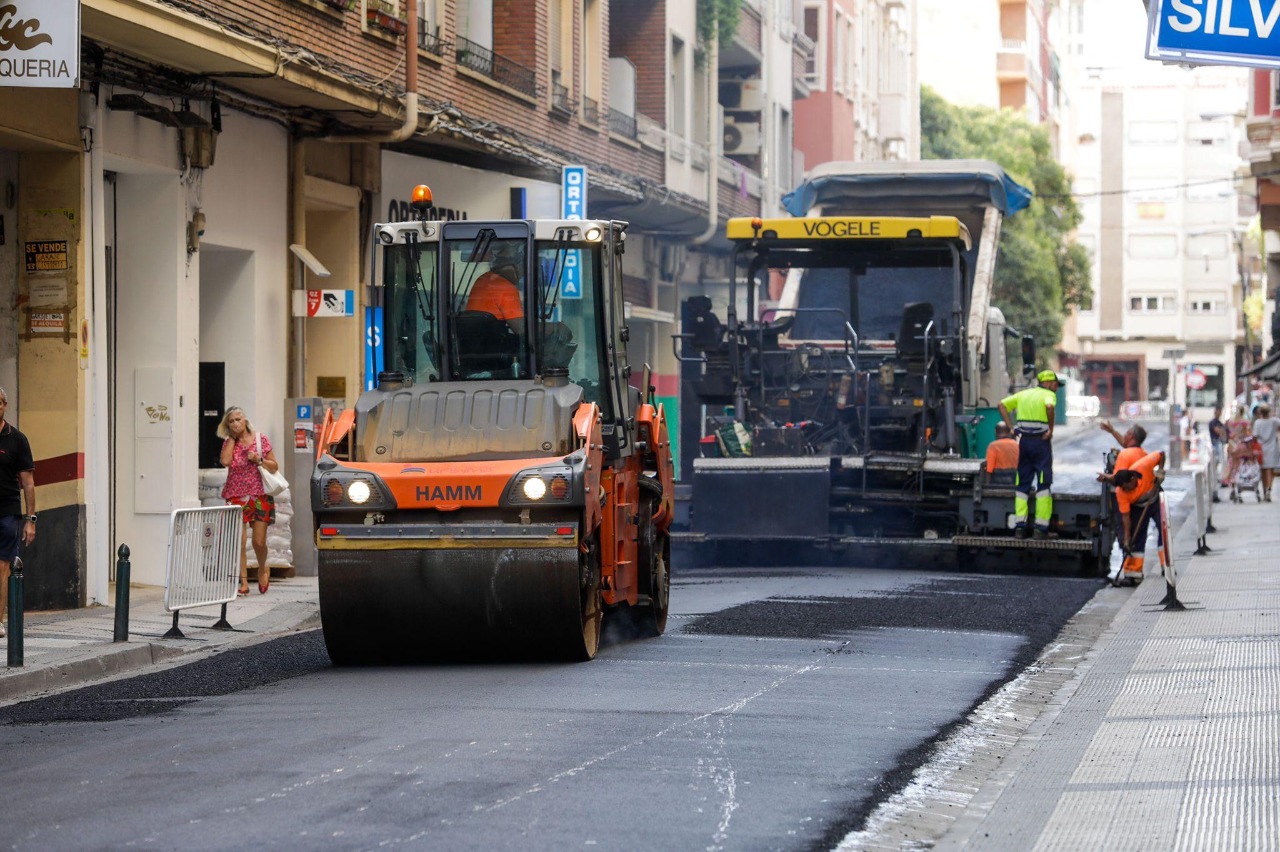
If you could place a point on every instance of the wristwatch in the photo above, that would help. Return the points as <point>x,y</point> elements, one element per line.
<point>31,518</point>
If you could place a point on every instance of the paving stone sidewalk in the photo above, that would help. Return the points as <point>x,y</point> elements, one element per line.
<point>1141,728</point>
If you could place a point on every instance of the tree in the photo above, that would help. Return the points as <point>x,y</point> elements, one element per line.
<point>1041,272</point>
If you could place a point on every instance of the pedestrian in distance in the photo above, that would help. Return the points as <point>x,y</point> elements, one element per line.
<point>1002,457</point>
<point>1034,408</point>
<point>1266,428</point>
<point>242,457</point>
<point>1217,433</point>
<point>1239,431</point>
<point>17,477</point>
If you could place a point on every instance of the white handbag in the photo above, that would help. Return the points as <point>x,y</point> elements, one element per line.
<point>273,482</point>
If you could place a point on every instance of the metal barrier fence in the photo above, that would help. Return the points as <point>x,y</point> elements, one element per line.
<point>1144,410</point>
<point>1083,406</point>
<point>204,560</point>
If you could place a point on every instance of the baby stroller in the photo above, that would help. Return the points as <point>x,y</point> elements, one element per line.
<point>1248,475</point>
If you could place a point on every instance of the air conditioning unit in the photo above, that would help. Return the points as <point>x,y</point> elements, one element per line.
<point>741,138</point>
<point>742,95</point>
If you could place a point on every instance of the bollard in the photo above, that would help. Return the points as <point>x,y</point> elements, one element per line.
<point>16,607</point>
<point>122,595</point>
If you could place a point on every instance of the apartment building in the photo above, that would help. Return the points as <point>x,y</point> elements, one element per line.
<point>1262,122</point>
<point>1001,54</point>
<point>863,100</point>
<point>205,159</point>
<point>1157,182</point>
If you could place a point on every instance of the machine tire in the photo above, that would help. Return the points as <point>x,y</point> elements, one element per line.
<point>586,644</point>
<point>654,557</point>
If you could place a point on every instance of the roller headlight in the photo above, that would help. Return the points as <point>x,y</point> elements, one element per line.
<point>358,492</point>
<point>542,485</point>
<point>349,489</point>
<point>592,234</point>
<point>534,488</point>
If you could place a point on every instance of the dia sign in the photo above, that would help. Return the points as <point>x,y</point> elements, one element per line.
<point>1215,32</point>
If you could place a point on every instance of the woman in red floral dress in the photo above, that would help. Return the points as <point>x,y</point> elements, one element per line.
<point>241,457</point>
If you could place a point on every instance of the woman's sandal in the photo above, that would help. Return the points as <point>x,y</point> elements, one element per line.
<point>262,587</point>
<point>242,592</point>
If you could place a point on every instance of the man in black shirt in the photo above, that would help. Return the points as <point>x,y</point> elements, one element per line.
<point>17,474</point>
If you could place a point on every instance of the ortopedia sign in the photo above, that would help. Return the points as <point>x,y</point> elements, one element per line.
<point>1215,32</point>
<point>40,43</point>
<point>1196,380</point>
<point>324,303</point>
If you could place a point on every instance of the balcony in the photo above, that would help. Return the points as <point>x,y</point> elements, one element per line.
<point>384,16</point>
<point>430,41</point>
<point>561,100</point>
<point>591,111</point>
<point>622,124</point>
<point>1013,64</point>
<point>894,119</point>
<point>501,70</point>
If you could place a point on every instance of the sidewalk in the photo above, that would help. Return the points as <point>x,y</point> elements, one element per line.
<point>72,647</point>
<point>1140,728</point>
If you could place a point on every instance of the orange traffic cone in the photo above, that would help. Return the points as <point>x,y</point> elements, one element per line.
<point>1193,457</point>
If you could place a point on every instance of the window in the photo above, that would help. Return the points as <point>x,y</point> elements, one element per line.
<point>815,27</point>
<point>1153,246</point>
<point>1211,394</point>
<point>1152,304</point>
<point>429,26</point>
<point>1206,306</point>
<point>475,22</point>
<point>591,60</point>
<point>679,87</point>
<point>840,58</point>
<point>560,30</point>
<point>782,153</point>
<point>1207,132</point>
<point>1207,246</point>
<point>1153,132</point>
<point>1210,190</point>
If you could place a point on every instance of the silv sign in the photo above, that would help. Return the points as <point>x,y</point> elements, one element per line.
<point>40,43</point>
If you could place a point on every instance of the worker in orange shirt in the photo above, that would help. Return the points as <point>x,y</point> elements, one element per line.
<point>1130,444</point>
<point>497,291</point>
<point>1002,457</point>
<point>1137,496</point>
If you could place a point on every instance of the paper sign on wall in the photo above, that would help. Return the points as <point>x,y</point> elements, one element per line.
<point>324,303</point>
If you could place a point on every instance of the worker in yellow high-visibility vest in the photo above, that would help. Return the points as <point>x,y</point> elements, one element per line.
<point>1034,409</point>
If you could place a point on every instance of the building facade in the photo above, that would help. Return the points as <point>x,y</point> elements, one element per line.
<point>863,100</point>
<point>1157,182</point>
<point>157,211</point>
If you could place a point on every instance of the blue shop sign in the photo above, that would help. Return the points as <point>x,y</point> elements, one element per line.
<point>1215,32</point>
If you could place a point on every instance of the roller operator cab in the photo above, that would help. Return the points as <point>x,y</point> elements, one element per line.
<point>503,488</point>
<point>851,389</point>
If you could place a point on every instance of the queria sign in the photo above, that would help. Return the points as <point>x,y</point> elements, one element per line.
<point>40,43</point>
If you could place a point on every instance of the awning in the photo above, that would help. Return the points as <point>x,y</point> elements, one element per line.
<point>1268,370</point>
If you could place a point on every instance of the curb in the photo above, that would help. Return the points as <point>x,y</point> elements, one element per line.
<point>92,665</point>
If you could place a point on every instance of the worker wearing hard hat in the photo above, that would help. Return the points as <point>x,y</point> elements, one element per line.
<point>1034,409</point>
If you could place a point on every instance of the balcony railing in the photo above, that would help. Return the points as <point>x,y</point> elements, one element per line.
<point>590,110</point>
<point>430,41</point>
<point>560,100</point>
<point>496,67</point>
<point>622,124</point>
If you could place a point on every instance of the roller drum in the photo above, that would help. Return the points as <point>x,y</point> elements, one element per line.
<point>393,606</point>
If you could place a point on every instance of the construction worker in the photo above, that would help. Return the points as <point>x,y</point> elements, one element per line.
<point>1034,428</point>
<point>1130,446</point>
<point>497,291</point>
<point>1002,457</point>
<point>1137,496</point>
